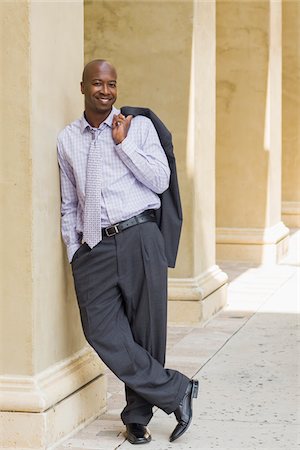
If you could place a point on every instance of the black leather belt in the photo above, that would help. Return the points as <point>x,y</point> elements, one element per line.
<point>146,216</point>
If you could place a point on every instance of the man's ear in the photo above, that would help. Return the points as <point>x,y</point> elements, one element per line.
<point>82,87</point>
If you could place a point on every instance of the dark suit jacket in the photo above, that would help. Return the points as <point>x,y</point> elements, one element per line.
<point>169,216</point>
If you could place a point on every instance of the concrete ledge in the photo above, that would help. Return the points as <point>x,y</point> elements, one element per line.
<point>291,214</point>
<point>197,288</point>
<point>39,392</point>
<point>261,245</point>
<point>188,312</point>
<point>40,431</point>
<point>195,300</point>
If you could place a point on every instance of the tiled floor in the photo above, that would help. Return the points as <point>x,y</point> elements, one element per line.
<point>246,361</point>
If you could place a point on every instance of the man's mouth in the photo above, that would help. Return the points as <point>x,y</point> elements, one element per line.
<point>104,99</point>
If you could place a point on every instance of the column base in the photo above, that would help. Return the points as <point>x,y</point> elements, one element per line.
<point>40,431</point>
<point>195,300</point>
<point>259,245</point>
<point>39,411</point>
<point>290,212</point>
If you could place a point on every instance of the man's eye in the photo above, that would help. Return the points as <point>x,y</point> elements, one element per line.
<point>112,85</point>
<point>97,84</point>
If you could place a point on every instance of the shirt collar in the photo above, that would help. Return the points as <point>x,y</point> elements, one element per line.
<point>108,121</point>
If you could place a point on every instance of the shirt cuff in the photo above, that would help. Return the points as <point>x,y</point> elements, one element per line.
<point>127,146</point>
<point>71,249</point>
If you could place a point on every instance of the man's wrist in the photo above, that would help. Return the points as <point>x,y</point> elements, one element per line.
<point>120,142</point>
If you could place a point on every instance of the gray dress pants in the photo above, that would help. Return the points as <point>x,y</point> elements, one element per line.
<point>121,287</point>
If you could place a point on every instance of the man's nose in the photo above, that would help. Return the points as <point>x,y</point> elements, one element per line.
<point>105,88</point>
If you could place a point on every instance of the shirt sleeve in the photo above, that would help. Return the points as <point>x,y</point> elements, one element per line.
<point>69,202</point>
<point>146,161</point>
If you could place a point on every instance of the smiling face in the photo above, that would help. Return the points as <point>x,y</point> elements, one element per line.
<point>99,86</point>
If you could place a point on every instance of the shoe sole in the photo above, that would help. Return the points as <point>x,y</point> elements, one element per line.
<point>137,441</point>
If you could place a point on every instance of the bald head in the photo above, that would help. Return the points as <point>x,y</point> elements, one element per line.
<point>99,87</point>
<point>95,64</point>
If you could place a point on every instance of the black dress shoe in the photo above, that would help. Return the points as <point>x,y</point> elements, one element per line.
<point>137,433</point>
<point>184,411</point>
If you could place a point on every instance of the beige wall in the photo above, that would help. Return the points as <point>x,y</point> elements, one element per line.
<point>249,140</point>
<point>242,80</point>
<point>16,196</point>
<point>56,101</point>
<point>291,102</point>
<point>38,97</point>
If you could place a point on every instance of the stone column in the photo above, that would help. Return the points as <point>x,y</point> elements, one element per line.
<point>51,381</point>
<point>291,113</point>
<point>165,56</point>
<point>249,223</point>
<point>197,286</point>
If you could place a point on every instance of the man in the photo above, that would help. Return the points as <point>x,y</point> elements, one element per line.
<point>112,169</point>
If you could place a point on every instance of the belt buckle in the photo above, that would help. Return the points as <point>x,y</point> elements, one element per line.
<point>114,232</point>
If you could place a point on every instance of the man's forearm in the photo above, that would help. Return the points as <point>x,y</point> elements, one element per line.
<point>152,172</point>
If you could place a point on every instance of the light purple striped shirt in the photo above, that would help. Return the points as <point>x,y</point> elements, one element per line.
<point>132,173</point>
